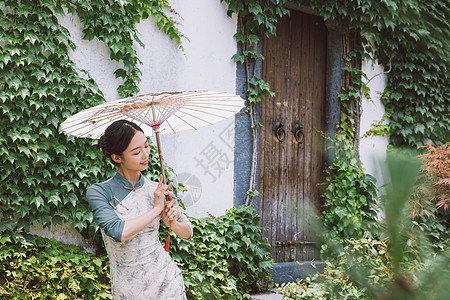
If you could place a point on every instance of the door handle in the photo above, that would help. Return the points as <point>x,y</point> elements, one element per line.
<point>297,131</point>
<point>278,130</point>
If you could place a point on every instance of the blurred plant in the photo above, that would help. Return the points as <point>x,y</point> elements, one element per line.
<point>37,268</point>
<point>434,188</point>
<point>400,266</point>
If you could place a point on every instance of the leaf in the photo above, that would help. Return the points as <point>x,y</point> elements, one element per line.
<point>38,201</point>
<point>238,58</point>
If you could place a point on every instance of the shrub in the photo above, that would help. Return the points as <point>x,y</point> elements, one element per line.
<point>227,256</point>
<point>226,259</point>
<point>350,196</point>
<point>37,268</point>
<point>402,266</point>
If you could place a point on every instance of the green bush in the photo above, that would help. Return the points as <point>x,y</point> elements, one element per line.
<point>403,265</point>
<point>226,259</point>
<point>350,196</point>
<point>37,268</point>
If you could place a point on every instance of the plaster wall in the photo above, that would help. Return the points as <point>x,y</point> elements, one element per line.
<point>202,159</point>
<point>372,149</point>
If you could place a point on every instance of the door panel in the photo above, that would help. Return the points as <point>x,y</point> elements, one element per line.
<point>289,170</point>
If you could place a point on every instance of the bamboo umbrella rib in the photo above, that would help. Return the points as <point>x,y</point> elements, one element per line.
<point>89,122</point>
<point>135,115</point>
<point>213,104</point>
<point>145,117</point>
<point>193,127</point>
<point>87,132</point>
<point>208,107</point>
<point>170,126</point>
<point>167,110</point>
<point>95,126</point>
<point>194,116</point>
<point>198,110</point>
<point>83,120</point>
<point>213,99</point>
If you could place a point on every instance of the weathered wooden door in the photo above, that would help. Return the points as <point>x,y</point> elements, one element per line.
<point>291,144</point>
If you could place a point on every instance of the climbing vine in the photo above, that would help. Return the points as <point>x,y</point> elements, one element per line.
<point>411,38</point>
<point>256,19</point>
<point>407,37</point>
<point>44,173</point>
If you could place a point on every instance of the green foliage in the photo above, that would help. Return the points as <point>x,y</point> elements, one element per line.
<point>260,17</point>
<point>350,195</point>
<point>44,174</point>
<point>350,98</point>
<point>37,268</point>
<point>226,259</point>
<point>411,37</point>
<point>401,266</point>
<point>113,23</point>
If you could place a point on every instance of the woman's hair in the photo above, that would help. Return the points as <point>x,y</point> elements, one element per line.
<point>117,137</point>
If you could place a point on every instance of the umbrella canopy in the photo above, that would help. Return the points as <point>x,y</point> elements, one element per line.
<point>168,112</point>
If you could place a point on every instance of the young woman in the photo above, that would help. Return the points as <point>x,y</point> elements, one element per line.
<point>128,209</point>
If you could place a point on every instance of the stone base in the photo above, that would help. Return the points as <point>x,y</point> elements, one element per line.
<point>291,271</point>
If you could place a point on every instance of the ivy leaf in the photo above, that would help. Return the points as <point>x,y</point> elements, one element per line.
<point>38,201</point>
<point>239,37</point>
<point>55,199</point>
<point>238,58</point>
<point>252,38</point>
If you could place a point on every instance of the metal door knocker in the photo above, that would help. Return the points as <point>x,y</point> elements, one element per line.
<point>297,130</point>
<point>278,130</point>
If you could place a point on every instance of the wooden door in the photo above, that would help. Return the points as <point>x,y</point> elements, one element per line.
<point>290,169</point>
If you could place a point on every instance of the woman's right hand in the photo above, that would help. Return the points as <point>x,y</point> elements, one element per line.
<point>160,194</point>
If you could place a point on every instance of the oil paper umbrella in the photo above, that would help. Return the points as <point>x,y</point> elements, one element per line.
<point>167,112</point>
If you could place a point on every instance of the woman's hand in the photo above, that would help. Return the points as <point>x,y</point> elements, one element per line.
<point>162,190</point>
<point>170,212</point>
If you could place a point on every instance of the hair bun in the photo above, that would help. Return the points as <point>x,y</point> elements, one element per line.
<point>101,142</point>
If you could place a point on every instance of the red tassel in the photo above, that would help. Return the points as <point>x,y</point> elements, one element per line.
<point>168,238</point>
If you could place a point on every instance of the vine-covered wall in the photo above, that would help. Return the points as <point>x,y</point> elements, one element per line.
<point>44,174</point>
<point>411,39</point>
<point>52,66</point>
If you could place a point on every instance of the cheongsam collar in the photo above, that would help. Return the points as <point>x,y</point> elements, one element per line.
<point>128,185</point>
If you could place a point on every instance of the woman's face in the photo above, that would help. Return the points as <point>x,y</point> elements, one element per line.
<point>135,156</point>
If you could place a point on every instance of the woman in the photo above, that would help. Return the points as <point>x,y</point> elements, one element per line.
<point>128,209</point>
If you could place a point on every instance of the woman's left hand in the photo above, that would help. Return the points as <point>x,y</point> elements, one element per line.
<point>170,212</point>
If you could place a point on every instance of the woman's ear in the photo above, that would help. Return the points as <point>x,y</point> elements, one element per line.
<point>116,158</point>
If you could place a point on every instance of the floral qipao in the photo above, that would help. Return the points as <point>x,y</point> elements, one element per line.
<point>139,267</point>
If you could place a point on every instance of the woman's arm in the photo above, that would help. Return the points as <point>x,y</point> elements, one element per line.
<point>133,226</point>
<point>182,229</point>
<point>179,222</point>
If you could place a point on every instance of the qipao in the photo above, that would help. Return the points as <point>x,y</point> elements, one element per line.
<point>139,267</point>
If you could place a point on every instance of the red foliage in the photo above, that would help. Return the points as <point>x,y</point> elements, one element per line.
<point>435,186</point>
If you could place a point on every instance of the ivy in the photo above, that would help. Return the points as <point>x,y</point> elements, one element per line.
<point>113,23</point>
<point>226,259</point>
<point>256,18</point>
<point>44,173</point>
<point>350,196</point>
<point>38,268</point>
<point>411,38</point>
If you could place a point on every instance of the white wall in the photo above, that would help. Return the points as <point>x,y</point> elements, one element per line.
<point>202,158</point>
<point>372,149</point>
<point>205,64</point>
